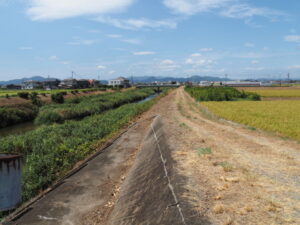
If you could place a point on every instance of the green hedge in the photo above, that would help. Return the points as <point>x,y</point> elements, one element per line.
<point>220,94</point>
<point>88,105</point>
<point>11,115</point>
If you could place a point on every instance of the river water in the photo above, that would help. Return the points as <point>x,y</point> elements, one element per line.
<point>17,129</point>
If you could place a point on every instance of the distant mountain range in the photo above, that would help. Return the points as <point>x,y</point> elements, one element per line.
<point>140,79</point>
<point>146,79</point>
<point>19,81</point>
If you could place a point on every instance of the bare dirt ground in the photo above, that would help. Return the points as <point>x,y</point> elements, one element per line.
<point>235,175</point>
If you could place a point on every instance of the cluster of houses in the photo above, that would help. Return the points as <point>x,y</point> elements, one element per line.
<point>66,84</point>
<point>242,83</point>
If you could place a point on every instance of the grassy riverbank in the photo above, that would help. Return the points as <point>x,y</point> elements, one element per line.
<point>51,151</point>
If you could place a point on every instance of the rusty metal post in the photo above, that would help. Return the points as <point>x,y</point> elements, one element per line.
<point>10,181</point>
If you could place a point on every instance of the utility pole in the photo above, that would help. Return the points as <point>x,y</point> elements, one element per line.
<point>132,80</point>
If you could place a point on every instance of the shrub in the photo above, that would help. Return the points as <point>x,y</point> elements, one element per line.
<point>57,98</point>
<point>48,117</point>
<point>35,99</point>
<point>14,114</point>
<point>63,92</point>
<point>75,100</point>
<point>220,94</point>
<point>23,94</point>
<point>7,95</point>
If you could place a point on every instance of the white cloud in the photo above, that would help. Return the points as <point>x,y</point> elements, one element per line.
<point>196,55</point>
<point>114,36</point>
<point>292,38</point>
<point>242,11</point>
<point>111,72</point>
<point>26,48</point>
<point>198,62</point>
<point>168,65</point>
<point>254,62</point>
<point>255,68</point>
<point>53,57</point>
<point>295,67</point>
<point>132,41</point>
<point>206,49</point>
<point>144,53</point>
<point>249,45</point>
<point>133,24</point>
<point>190,7</point>
<point>227,8</point>
<point>59,9</point>
<point>101,67</point>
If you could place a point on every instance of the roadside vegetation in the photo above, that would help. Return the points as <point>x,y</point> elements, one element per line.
<point>220,94</point>
<point>14,114</point>
<point>274,91</point>
<point>15,93</point>
<point>81,107</point>
<point>281,117</point>
<point>51,151</point>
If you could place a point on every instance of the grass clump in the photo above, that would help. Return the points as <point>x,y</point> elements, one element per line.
<point>58,98</point>
<point>23,94</point>
<point>14,114</point>
<point>204,151</point>
<point>227,167</point>
<point>220,94</point>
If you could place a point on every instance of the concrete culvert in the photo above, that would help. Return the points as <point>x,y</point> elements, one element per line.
<point>10,181</point>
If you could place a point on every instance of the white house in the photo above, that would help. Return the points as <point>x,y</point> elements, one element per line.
<point>31,84</point>
<point>120,81</point>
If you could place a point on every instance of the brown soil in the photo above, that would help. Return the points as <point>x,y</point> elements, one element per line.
<point>249,177</point>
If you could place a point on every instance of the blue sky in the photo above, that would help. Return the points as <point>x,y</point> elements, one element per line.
<point>241,38</point>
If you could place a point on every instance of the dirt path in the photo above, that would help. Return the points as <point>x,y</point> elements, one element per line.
<point>235,174</point>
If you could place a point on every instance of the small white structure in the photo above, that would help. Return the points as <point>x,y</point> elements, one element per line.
<point>120,81</point>
<point>205,83</point>
<point>242,84</point>
<point>31,84</point>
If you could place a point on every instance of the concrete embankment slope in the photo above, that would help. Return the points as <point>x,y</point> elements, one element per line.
<point>147,195</point>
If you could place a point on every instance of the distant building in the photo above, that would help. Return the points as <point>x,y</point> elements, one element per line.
<point>12,87</point>
<point>83,83</point>
<point>51,84</point>
<point>241,84</point>
<point>94,83</point>
<point>31,84</point>
<point>119,82</point>
<point>68,83</point>
<point>205,83</point>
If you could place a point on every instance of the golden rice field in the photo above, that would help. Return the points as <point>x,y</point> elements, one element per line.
<point>274,91</point>
<point>281,117</point>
